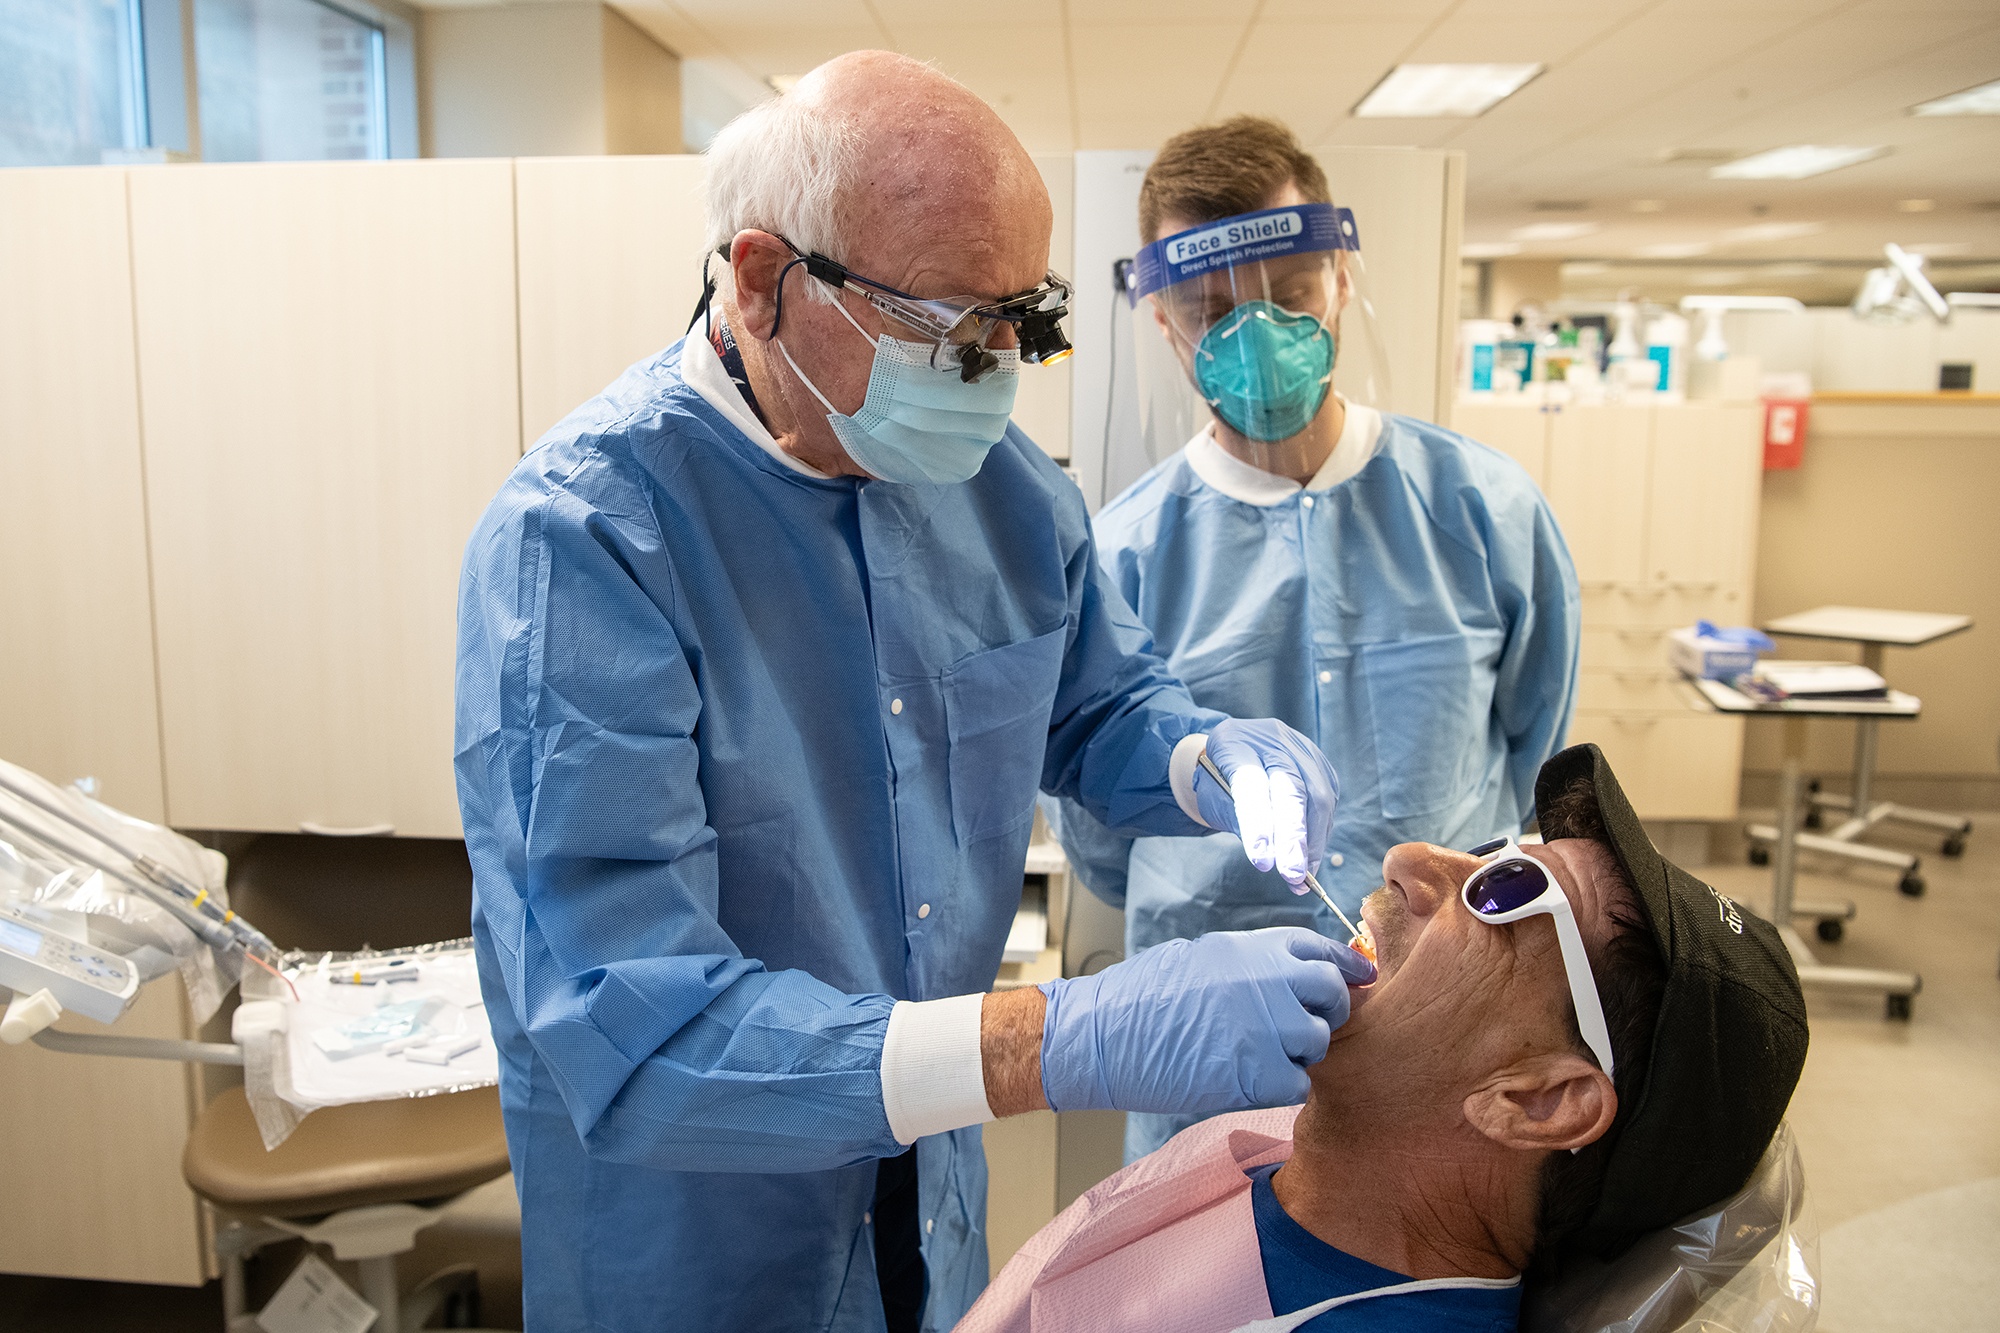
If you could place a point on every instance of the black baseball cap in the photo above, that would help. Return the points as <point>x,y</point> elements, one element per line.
<point>1695,1117</point>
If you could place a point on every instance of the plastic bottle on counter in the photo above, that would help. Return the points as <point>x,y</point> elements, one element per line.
<point>1666,347</point>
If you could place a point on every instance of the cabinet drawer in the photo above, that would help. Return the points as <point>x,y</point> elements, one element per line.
<point>1689,601</point>
<point>1672,765</point>
<point>1625,647</point>
<point>1639,690</point>
<point>1608,602</point>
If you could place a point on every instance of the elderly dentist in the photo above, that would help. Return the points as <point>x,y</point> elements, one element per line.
<point>763,655</point>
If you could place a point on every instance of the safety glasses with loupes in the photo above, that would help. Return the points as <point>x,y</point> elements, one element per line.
<point>1513,886</point>
<point>959,329</point>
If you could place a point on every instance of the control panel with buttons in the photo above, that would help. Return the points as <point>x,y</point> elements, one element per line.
<point>35,956</point>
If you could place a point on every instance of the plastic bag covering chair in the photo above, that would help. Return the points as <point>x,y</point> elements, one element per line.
<point>363,1179</point>
<point>1749,1265</point>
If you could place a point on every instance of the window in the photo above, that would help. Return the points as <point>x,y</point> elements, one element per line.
<point>68,90</point>
<point>288,80</point>
<point>84,81</point>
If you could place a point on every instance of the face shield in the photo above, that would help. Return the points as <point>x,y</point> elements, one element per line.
<point>1246,325</point>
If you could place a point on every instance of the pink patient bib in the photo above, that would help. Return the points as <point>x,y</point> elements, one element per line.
<point>1167,1245</point>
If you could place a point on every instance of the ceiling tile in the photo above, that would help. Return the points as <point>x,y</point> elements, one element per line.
<point>1037,16</point>
<point>1148,13</point>
<point>797,49</point>
<point>1626,79</point>
<point>992,52</point>
<point>1164,73</point>
<point>773,17</point>
<point>1310,73</point>
<point>1418,13</point>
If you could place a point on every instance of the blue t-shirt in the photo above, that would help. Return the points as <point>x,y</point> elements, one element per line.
<point>1300,1269</point>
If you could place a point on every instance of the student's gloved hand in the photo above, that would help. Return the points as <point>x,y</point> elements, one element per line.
<point>1283,792</point>
<point>1219,1023</point>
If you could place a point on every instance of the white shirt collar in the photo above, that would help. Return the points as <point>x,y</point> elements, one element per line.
<point>1238,480</point>
<point>702,369</point>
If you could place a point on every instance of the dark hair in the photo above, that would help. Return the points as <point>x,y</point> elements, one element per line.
<point>1218,171</point>
<point>1631,983</point>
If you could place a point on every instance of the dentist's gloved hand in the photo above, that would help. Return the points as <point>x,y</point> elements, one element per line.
<point>1220,1023</point>
<point>1283,790</point>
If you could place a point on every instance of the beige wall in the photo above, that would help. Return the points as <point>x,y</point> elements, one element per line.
<point>642,91</point>
<point>515,80</point>
<point>1896,506</point>
<point>544,80</point>
<point>1517,281</point>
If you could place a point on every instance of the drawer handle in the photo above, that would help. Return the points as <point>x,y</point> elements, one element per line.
<point>1628,677</point>
<point>1696,585</point>
<point>1596,585</point>
<point>1640,635</point>
<point>1645,594</point>
<point>348,831</point>
<point>1628,720</point>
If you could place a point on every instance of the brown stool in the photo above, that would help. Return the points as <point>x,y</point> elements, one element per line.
<point>363,1179</point>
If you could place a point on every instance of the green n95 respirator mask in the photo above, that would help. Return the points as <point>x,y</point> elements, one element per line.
<point>1265,370</point>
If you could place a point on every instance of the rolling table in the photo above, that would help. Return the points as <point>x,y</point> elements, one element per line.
<point>1875,631</point>
<point>1897,988</point>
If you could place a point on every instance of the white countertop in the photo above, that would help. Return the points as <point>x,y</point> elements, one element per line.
<point>1860,624</point>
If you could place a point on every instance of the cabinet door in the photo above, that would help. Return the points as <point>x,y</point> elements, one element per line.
<point>327,364</point>
<point>92,1171</point>
<point>1707,476</point>
<point>610,270</point>
<point>1519,432</point>
<point>1020,1182</point>
<point>77,694</point>
<point>1673,766</point>
<point>1596,484</point>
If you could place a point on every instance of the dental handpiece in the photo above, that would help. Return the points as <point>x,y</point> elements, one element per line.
<point>1208,765</point>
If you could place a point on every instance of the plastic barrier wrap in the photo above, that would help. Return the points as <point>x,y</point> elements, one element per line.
<point>1750,1265</point>
<point>362,1027</point>
<point>37,866</point>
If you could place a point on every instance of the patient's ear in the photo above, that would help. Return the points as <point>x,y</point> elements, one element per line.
<point>1544,1103</point>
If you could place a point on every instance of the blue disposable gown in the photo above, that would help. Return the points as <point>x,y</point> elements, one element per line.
<point>1419,620</point>
<point>743,757</point>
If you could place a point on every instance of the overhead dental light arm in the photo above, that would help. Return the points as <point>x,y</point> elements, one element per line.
<point>1910,268</point>
<point>1900,289</point>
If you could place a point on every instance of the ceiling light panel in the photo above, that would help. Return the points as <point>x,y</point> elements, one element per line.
<point>1981,101</point>
<point>1772,231</point>
<point>1553,231</point>
<point>1444,90</point>
<point>1794,163</point>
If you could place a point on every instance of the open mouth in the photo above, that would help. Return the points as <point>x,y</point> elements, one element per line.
<point>1363,943</point>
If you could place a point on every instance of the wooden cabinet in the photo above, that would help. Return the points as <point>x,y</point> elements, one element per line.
<point>92,1171</point>
<point>1659,507</point>
<point>1595,478</point>
<point>609,272</point>
<point>327,359</point>
<point>76,679</point>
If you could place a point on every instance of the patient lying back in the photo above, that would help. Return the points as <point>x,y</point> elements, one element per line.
<point>1415,1173</point>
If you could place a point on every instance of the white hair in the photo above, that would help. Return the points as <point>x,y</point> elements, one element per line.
<point>787,167</point>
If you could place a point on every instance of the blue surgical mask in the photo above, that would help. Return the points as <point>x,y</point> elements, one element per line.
<point>1265,370</point>
<point>919,423</point>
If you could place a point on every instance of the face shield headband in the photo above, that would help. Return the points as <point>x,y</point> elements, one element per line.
<point>1247,238</point>
<point>1256,298</point>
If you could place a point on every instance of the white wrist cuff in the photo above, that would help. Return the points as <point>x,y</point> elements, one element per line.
<point>933,1072</point>
<point>1181,771</point>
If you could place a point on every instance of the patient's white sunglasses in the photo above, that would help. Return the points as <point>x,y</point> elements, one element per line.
<point>1513,886</point>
